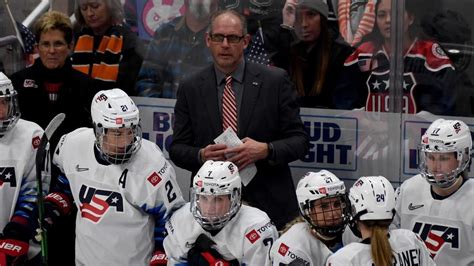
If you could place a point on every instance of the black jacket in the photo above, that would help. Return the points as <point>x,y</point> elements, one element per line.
<point>44,93</point>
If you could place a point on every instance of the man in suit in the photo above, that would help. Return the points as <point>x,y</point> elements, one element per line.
<point>267,119</point>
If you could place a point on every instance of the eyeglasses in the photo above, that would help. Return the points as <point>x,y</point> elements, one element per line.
<point>56,45</point>
<point>230,38</point>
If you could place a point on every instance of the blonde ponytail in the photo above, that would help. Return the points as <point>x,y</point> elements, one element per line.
<point>380,248</point>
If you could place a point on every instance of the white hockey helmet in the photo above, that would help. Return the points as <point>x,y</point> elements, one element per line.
<point>445,136</point>
<point>114,109</point>
<point>315,186</point>
<point>372,198</point>
<point>8,99</point>
<point>215,180</point>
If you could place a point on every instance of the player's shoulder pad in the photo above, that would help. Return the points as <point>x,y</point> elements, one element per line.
<point>258,225</point>
<point>285,247</point>
<point>405,237</point>
<point>412,183</point>
<point>181,218</point>
<point>150,166</point>
<point>154,176</point>
<point>64,138</point>
<point>344,255</point>
<point>29,130</point>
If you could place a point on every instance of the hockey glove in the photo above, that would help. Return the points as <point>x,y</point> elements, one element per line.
<point>56,205</point>
<point>203,254</point>
<point>14,244</point>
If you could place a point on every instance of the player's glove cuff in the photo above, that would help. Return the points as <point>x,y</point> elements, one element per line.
<point>13,252</point>
<point>18,231</point>
<point>159,258</point>
<point>60,201</point>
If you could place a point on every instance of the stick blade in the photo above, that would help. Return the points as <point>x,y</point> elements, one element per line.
<point>54,124</point>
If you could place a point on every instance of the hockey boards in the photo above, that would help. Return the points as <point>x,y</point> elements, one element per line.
<point>42,169</point>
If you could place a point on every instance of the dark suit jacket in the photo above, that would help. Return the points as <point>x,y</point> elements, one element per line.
<point>268,113</point>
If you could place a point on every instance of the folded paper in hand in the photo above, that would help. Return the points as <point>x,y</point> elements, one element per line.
<point>229,138</point>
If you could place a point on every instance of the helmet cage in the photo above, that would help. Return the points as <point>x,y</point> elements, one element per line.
<point>214,222</point>
<point>327,227</point>
<point>442,180</point>
<point>120,155</point>
<point>13,113</point>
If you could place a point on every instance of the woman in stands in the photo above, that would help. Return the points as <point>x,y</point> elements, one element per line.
<point>106,50</point>
<point>428,72</point>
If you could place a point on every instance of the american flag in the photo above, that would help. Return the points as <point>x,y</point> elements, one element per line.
<point>256,52</point>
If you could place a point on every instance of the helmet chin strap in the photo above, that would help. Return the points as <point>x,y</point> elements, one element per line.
<point>452,184</point>
<point>321,236</point>
<point>446,184</point>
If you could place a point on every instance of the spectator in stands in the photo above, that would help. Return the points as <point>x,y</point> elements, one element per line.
<point>315,61</point>
<point>317,233</point>
<point>258,103</point>
<point>263,25</point>
<point>177,50</point>
<point>428,72</point>
<point>452,30</point>
<point>106,50</point>
<point>52,86</point>
<point>130,15</point>
<point>436,203</point>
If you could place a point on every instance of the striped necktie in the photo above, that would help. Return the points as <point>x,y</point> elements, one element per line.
<point>229,106</point>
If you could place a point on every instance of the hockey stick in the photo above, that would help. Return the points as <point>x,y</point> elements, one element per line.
<point>41,168</point>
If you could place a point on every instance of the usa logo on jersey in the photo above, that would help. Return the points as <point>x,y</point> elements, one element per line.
<point>378,98</point>
<point>7,175</point>
<point>96,202</point>
<point>437,237</point>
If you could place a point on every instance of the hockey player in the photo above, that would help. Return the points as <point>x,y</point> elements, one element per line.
<point>214,228</point>
<point>435,204</point>
<point>122,185</point>
<point>19,140</point>
<point>315,235</point>
<point>373,207</point>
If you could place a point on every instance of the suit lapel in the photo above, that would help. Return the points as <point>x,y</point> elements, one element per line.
<point>252,85</point>
<point>208,92</point>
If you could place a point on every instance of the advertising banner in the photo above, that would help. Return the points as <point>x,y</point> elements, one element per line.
<point>348,143</point>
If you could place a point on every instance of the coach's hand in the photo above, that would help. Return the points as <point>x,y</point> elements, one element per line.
<point>247,153</point>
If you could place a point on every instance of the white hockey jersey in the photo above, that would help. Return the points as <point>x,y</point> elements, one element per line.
<point>247,237</point>
<point>408,250</point>
<point>17,170</point>
<point>299,244</point>
<point>446,226</point>
<point>113,224</point>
